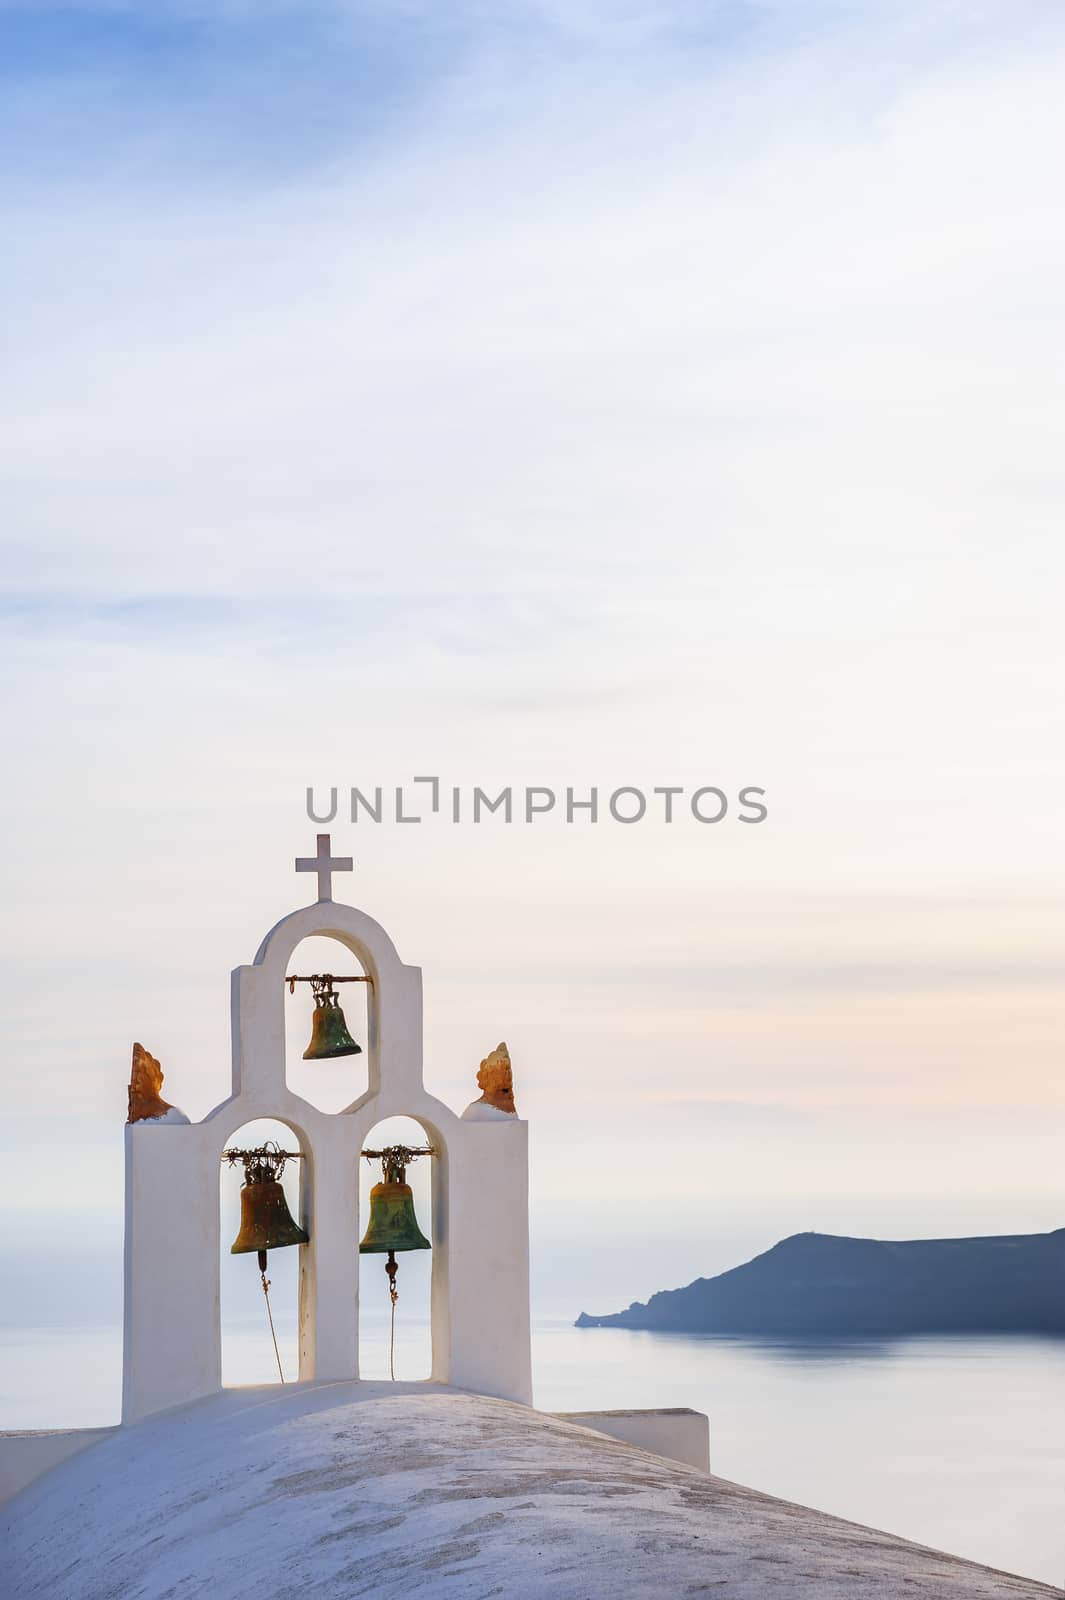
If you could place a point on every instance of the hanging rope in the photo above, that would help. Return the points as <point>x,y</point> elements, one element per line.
<point>392,1267</point>
<point>270,1315</point>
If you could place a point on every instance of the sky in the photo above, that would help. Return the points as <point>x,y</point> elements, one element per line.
<point>548,394</point>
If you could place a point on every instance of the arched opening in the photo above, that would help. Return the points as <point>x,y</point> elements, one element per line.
<point>248,1355</point>
<point>413,1351</point>
<point>330,1082</point>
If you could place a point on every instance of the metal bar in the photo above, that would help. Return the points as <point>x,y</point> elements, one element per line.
<point>247,1155</point>
<point>377,1155</point>
<point>332,976</point>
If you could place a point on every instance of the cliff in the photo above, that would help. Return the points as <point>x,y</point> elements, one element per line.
<point>816,1283</point>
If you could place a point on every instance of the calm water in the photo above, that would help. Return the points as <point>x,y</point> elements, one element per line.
<point>956,1443</point>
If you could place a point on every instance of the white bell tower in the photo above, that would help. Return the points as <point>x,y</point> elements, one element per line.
<point>480,1212</point>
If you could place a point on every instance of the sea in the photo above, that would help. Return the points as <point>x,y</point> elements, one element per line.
<point>956,1443</point>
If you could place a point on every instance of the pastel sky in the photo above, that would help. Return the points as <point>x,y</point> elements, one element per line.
<point>568,394</point>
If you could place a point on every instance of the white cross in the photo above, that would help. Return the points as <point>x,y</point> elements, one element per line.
<point>325,865</point>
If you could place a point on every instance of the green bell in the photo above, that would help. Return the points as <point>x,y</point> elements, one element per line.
<point>329,1031</point>
<point>393,1224</point>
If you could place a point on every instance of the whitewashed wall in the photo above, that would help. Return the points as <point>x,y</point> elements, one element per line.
<point>480,1221</point>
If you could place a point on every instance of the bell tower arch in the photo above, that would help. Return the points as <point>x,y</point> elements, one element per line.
<point>480,1234</point>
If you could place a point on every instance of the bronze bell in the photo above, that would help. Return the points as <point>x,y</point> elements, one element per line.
<point>266,1223</point>
<point>393,1224</point>
<point>329,1031</point>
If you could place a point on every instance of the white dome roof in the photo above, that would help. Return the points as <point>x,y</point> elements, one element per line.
<point>404,1491</point>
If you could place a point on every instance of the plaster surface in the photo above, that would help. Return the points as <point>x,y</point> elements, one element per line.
<point>26,1455</point>
<point>400,1491</point>
<point>676,1432</point>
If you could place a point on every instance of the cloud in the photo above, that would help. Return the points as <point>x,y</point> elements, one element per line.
<point>552,394</point>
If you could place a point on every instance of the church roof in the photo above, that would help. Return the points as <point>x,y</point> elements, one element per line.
<point>319,1492</point>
